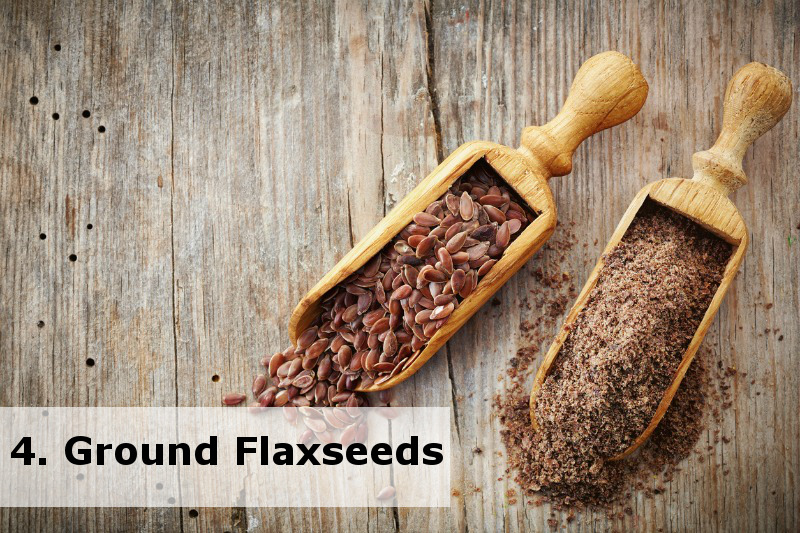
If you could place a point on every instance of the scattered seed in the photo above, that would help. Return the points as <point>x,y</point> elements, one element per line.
<point>233,398</point>
<point>456,242</point>
<point>442,311</point>
<point>478,251</point>
<point>466,207</point>
<point>486,232</point>
<point>388,412</point>
<point>390,344</point>
<point>305,437</point>
<point>494,200</point>
<point>275,363</point>
<point>402,293</point>
<point>259,384</point>
<point>457,280</point>
<point>315,424</point>
<point>453,230</point>
<point>503,235</point>
<point>306,338</point>
<point>281,398</point>
<point>348,436</point>
<point>386,493</point>
<point>484,268</point>
<point>383,367</point>
<point>267,398</point>
<point>426,219</point>
<point>317,348</point>
<point>494,214</point>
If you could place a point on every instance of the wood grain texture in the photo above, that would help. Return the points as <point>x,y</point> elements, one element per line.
<point>756,98</point>
<point>250,145</point>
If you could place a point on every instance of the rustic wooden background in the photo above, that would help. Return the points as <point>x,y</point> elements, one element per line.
<point>249,144</point>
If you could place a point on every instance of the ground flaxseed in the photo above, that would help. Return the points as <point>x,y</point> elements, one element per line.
<point>626,344</point>
<point>610,376</point>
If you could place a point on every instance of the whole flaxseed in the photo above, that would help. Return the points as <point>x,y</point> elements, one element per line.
<point>386,493</point>
<point>233,398</point>
<point>376,322</point>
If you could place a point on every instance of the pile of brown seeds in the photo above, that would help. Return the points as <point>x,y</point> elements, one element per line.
<point>376,322</point>
<point>622,353</point>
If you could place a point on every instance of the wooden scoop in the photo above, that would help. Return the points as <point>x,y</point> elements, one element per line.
<point>608,89</point>
<point>755,100</point>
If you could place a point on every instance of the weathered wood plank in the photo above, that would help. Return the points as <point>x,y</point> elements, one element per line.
<point>249,145</point>
<point>277,150</point>
<point>110,305</point>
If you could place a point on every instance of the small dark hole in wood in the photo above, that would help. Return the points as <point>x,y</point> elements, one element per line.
<point>45,413</point>
<point>89,226</point>
<point>159,486</point>
<point>34,100</point>
<point>86,113</point>
<point>101,129</point>
<point>193,513</point>
<point>73,257</point>
<point>90,362</point>
<point>215,378</point>
<point>79,477</point>
<point>57,48</point>
<point>170,500</point>
<point>40,324</point>
<point>55,116</point>
<point>42,236</point>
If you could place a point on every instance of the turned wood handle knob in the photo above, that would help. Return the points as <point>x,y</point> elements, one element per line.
<point>756,98</point>
<point>608,90</point>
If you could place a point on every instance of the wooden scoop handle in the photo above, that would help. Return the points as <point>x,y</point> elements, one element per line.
<point>756,98</point>
<point>608,90</point>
